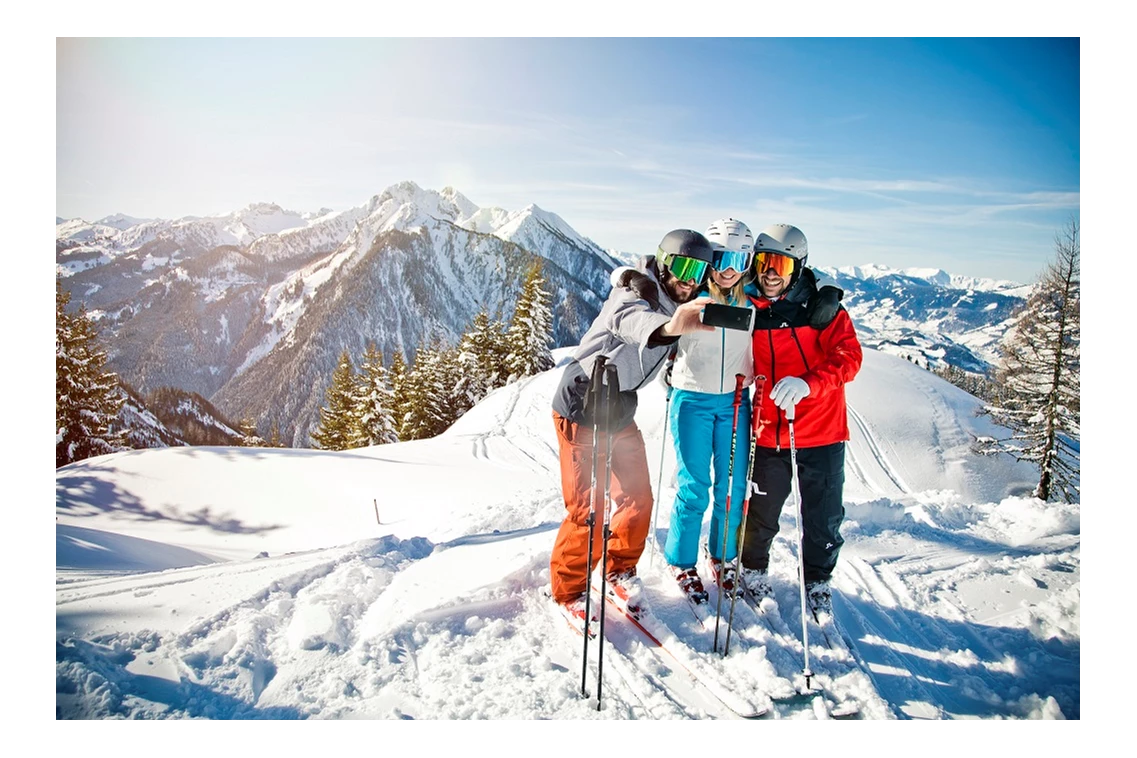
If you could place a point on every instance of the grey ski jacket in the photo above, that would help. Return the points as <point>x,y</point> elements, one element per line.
<point>623,332</point>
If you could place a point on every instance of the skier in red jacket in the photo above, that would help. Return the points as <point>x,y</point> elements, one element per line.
<point>805,345</point>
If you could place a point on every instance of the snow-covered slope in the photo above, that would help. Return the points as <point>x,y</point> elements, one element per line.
<point>403,581</point>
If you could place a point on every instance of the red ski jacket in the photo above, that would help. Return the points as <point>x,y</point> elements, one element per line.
<point>786,345</point>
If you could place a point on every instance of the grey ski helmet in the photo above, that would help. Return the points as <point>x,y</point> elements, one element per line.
<point>681,250</point>
<point>782,239</point>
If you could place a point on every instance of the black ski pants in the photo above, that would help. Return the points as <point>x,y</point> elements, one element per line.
<point>821,475</point>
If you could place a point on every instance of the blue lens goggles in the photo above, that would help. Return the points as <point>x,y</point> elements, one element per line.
<point>738,260</point>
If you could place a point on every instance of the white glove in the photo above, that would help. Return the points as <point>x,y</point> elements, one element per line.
<point>789,391</point>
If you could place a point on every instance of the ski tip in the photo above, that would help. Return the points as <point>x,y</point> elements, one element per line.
<point>757,713</point>
<point>846,710</point>
<point>576,623</point>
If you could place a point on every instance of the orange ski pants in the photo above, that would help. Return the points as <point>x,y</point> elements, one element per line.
<point>630,521</point>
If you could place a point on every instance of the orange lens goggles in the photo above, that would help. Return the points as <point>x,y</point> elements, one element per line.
<point>783,265</point>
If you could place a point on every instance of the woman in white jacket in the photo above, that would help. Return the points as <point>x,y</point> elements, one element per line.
<point>702,418</point>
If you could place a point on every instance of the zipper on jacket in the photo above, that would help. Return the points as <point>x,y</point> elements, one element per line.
<point>773,381</point>
<point>774,378</point>
<point>722,362</point>
<point>722,348</point>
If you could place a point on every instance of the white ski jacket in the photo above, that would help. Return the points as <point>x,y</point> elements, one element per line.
<point>708,361</point>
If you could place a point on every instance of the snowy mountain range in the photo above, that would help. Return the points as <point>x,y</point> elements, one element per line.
<point>251,310</point>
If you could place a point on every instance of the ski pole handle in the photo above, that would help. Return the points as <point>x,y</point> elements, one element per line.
<point>756,411</point>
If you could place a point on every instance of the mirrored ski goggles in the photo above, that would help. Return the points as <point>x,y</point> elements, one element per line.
<point>725,260</point>
<point>783,265</point>
<point>686,269</point>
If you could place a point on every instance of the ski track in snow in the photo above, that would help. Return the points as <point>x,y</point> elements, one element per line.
<point>315,628</point>
<point>518,443</point>
<point>862,438</point>
<point>320,628</point>
<point>935,666</point>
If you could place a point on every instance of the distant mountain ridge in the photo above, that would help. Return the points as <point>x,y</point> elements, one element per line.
<point>933,276</point>
<point>930,316</point>
<point>252,309</point>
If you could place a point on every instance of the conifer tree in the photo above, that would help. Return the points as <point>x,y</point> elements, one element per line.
<point>531,330</point>
<point>1039,378</point>
<point>480,356</point>
<point>979,385</point>
<point>248,429</point>
<point>427,388</point>
<point>87,398</point>
<point>397,380</point>
<point>455,400</point>
<point>338,429</point>
<point>375,401</point>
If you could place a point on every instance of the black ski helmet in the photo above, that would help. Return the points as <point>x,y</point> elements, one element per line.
<point>688,244</point>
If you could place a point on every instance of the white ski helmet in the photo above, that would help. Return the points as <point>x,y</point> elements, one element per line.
<point>730,234</point>
<point>733,244</point>
<point>784,239</point>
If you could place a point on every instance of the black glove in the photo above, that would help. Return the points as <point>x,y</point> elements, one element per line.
<point>823,306</point>
<point>642,285</point>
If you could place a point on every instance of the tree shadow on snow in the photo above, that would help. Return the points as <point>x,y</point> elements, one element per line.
<point>968,669</point>
<point>84,495</point>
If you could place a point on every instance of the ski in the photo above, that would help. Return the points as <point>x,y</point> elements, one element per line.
<point>696,599</point>
<point>639,709</point>
<point>653,634</point>
<point>767,615</point>
<point>718,621</point>
<point>789,695</point>
<point>702,612</point>
<point>574,622</point>
<point>829,633</point>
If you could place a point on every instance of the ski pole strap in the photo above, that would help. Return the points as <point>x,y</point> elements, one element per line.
<point>594,395</point>
<point>595,383</point>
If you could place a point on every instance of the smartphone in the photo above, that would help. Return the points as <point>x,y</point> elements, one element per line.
<point>727,316</point>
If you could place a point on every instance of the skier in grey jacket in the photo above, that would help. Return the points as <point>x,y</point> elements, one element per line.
<point>636,330</point>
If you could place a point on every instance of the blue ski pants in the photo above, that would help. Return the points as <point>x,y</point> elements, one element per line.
<point>701,425</point>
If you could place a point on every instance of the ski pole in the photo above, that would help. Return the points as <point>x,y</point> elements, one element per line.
<point>594,389</point>
<point>738,380</point>
<point>610,380</point>
<point>659,479</point>
<point>756,414</point>
<point>798,518</point>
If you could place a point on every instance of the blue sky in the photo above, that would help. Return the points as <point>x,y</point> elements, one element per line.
<point>961,154</point>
